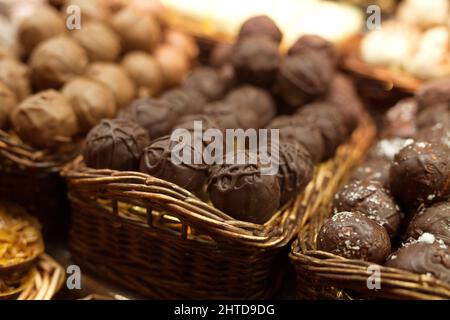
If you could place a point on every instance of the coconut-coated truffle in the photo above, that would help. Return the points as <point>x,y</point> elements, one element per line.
<point>116,79</point>
<point>8,103</point>
<point>56,61</point>
<point>14,75</point>
<point>173,63</point>
<point>144,70</point>
<point>91,101</point>
<point>261,25</point>
<point>99,41</point>
<point>45,120</point>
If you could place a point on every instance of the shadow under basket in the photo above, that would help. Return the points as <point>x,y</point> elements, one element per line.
<point>158,239</point>
<point>31,178</point>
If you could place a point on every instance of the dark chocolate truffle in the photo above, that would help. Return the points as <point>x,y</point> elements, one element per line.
<point>434,92</point>
<point>8,103</point>
<point>207,82</point>
<point>376,169</point>
<point>226,115</point>
<point>420,173</point>
<point>303,77</point>
<point>372,200</point>
<point>422,258</point>
<point>115,144</point>
<point>15,76</point>
<point>354,236</point>
<point>388,148</point>
<point>434,220</point>
<point>400,120</point>
<point>256,61</point>
<point>45,120</point>
<point>91,101</point>
<point>261,25</point>
<point>173,63</point>
<point>144,71</point>
<point>160,159</point>
<point>154,115</point>
<point>433,115</point>
<point>308,43</point>
<point>55,61</point>
<point>183,101</point>
<point>243,192</point>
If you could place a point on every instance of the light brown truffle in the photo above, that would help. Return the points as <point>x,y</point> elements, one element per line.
<point>182,42</point>
<point>56,61</point>
<point>15,75</point>
<point>45,120</point>
<point>173,63</point>
<point>91,101</point>
<point>99,40</point>
<point>116,79</point>
<point>138,31</point>
<point>8,102</point>
<point>43,24</point>
<point>90,10</point>
<point>144,71</point>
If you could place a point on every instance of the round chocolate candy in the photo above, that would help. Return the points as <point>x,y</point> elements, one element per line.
<point>261,25</point>
<point>400,120</point>
<point>115,144</point>
<point>354,236</point>
<point>314,43</point>
<point>226,115</point>
<point>173,64</point>
<point>433,115</point>
<point>373,170</point>
<point>184,102</point>
<point>144,71</point>
<point>434,92</point>
<point>439,133</point>
<point>207,82</point>
<point>434,219</point>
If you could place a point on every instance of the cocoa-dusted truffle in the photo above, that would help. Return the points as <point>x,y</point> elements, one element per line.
<point>152,114</point>
<point>55,61</point>
<point>314,43</point>
<point>116,79</point>
<point>371,199</point>
<point>138,31</point>
<point>432,115</point>
<point>303,77</point>
<point>44,23</point>
<point>256,61</point>
<point>115,144</point>
<point>354,236</point>
<point>260,26</point>
<point>420,173</point>
<point>91,101</point>
<point>45,120</point>
<point>400,119</point>
<point>8,103</point>
<point>376,169</point>
<point>99,41</point>
<point>144,71</point>
<point>160,160</point>
<point>91,10</point>
<point>434,219</point>
<point>422,257</point>
<point>184,101</point>
<point>15,76</point>
<point>207,82</point>
<point>173,63</point>
<point>434,92</point>
<point>243,192</point>
<point>182,42</point>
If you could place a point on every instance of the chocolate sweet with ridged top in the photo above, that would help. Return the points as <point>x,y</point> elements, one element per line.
<point>261,25</point>
<point>115,144</point>
<point>434,219</point>
<point>434,92</point>
<point>420,174</point>
<point>354,236</point>
<point>373,170</point>
<point>371,199</point>
<point>184,101</point>
<point>207,82</point>
<point>314,43</point>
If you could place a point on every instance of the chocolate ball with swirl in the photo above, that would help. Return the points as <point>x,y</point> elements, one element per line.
<point>184,101</point>
<point>261,25</point>
<point>434,220</point>
<point>115,144</point>
<point>207,82</point>
<point>354,236</point>
<point>314,43</point>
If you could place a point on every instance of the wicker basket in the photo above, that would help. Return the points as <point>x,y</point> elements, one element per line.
<point>158,239</point>
<point>31,178</point>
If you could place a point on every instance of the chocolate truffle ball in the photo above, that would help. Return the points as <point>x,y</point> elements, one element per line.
<point>144,71</point>
<point>91,10</point>
<point>43,24</point>
<point>314,43</point>
<point>388,148</point>
<point>260,25</point>
<point>116,79</point>
<point>422,258</point>
<point>376,169</point>
<point>256,61</point>
<point>55,61</point>
<point>182,42</point>
<point>8,103</point>
<point>302,78</point>
<point>99,41</point>
<point>152,114</point>
<point>432,115</point>
<point>15,76</point>
<point>45,120</point>
<point>354,236</point>
<point>138,31</point>
<point>91,101</point>
<point>243,192</point>
<point>225,114</point>
<point>115,144</point>
<point>158,161</point>
<point>434,219</point>
<point>184,101</point>
<point>420,173</point>
<point>173,64</point>
<point>207,82</point>
<point>400,119</point>
<point>371,199</point>
<point>434,92</point>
